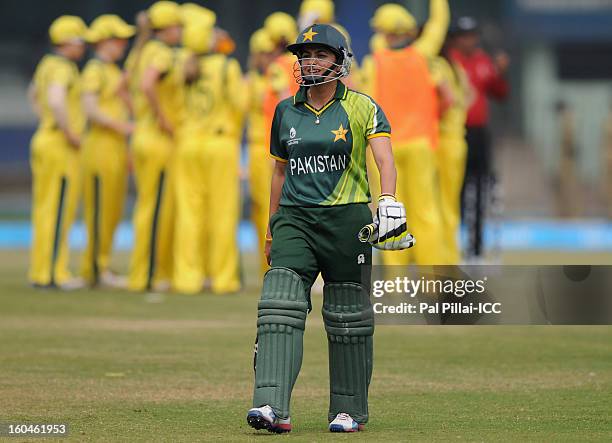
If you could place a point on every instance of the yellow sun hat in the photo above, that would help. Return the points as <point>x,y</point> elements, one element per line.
<point>192,11</point>
<point>323,10</point>
<point>392,18</point>
<point>281,26</point>
<point>198,35</point>
<point>67,28</point>
<point>108,26</point>
<point>164,14</point>
<point>261,42</point>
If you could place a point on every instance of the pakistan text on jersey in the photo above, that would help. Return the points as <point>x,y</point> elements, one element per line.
<point>316,164</point>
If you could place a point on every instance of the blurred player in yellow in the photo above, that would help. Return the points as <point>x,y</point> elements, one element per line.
<point>280,78</point>
<point>260,164</point>
<point>323,12</point>
<point>143,35</point>
<point>316,11</point>
<point>378,42</point>
<point>456,96</point>
<point>157,108</point>
<point>105,102</point>
<point>207,188</point>
<point>398,78</point>
<point>55,95</point>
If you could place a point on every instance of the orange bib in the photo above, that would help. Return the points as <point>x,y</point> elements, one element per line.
<point>406,92</point>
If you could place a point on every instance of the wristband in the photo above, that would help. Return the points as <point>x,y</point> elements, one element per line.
<point>383,196</point>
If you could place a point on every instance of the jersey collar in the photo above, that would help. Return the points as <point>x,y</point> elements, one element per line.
<point>301,97</point>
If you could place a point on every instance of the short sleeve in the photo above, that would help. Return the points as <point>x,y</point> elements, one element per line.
<point>277,150</point>
<point>377,124</point>
<point>61,74</point>
<point>91,80</point>
<point>162,59</point>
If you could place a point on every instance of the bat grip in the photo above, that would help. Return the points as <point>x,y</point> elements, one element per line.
<point>368,233</point>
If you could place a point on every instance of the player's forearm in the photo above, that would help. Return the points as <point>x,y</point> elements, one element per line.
<point>388,176</point>
<point>439,14</point>
<point>57,99</point>
<point>446,98</point>
<point>153,102</point>
<point>94,113</point>
<point>432,39</point>
<point>383,156</point>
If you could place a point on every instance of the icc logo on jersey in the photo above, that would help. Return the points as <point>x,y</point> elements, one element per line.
<point>361,259</point>
<point>292,137</point>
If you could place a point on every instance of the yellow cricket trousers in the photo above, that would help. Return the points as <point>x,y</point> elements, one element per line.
<point>208,212</point>
<point>451,158</point>
<point>153,219</point>
<point>417,189</point>
<point>260,179</point>
<point>55,195</point>
<point>104,191</point>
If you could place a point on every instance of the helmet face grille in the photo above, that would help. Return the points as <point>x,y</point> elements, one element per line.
<point>305,67</point>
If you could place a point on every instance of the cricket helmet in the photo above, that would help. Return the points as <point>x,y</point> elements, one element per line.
<point>329,37</point>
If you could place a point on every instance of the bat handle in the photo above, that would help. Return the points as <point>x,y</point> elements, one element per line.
<point>368,233</point>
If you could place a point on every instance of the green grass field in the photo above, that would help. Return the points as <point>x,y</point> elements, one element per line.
<point>124,367</point>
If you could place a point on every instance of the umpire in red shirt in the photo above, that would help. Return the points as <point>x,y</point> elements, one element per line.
<point>486,75</point>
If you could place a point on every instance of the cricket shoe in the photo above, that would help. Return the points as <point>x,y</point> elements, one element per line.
<point>344,423</point>
<point>72,284</point>
<point>161,286</point>
<point>111,280</point>
<point>266,418</point>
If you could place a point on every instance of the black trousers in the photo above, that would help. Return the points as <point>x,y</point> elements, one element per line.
<point>476,188</point>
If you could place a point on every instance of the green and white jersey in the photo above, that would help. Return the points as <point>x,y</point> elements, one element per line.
<point>325,149</point>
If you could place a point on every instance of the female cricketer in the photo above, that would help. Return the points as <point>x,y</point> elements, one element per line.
<point>55,95</point>
<point>318,205</point>
<point>106,103</point>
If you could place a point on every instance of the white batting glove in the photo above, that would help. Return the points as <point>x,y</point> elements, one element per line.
<point>389,230</point>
